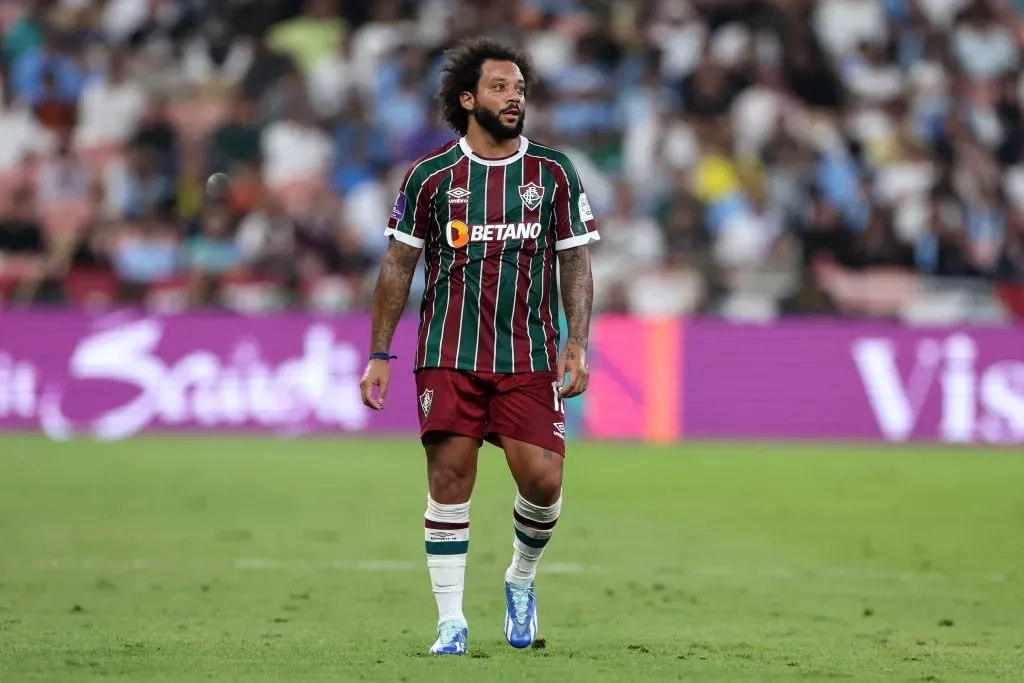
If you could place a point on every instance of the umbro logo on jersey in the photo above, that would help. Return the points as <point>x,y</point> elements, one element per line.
<point>458,195</point>
<point>559,430</point>
<point>531,194</point>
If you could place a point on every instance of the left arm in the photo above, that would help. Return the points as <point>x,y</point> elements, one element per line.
<point>575,228</point>
<point>577,285</point>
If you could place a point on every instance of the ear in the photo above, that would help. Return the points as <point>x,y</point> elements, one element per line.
<point>467,100</point>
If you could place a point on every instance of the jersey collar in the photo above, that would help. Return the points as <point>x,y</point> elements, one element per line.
<point>520,153</point>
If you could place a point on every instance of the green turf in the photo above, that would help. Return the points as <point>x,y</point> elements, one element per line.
<point>281,561</point>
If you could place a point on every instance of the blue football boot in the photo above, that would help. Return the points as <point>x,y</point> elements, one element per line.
<point>451,638</point>
<point>520,614</point>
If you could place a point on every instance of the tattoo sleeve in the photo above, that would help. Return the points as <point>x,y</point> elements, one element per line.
<point>577,284</point>
<point>392,292</point>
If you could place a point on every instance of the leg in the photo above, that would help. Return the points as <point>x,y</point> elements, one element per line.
<point>451,466</point>
<point>452,418</point>
<point>538,475</point>
<point>451,471</point>
<point>534,447</point>
<point>536,470</point>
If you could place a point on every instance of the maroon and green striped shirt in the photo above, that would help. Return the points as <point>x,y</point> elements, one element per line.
<point>490,229</point>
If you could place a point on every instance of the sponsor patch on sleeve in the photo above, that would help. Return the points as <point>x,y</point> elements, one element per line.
<point>585,213</point>
<point>399,209</point>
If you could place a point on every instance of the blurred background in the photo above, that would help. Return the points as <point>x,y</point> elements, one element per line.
<point>746,158</point>
<point>809,285</point>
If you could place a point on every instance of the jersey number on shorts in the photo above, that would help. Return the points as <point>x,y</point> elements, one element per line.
<point>558,399</point>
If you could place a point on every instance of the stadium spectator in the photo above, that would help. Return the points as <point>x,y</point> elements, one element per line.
<point>24,256</point>
<point>362,147</point>
<point>236,141</point>
<point>736,151</point>
<point>110,107</point>
<point>137,186</point>
<point>1011,260</point>
<point>311,37</point>
<point>214,250</point>
<point>266,239</point>
<point>46,73</point>
<point>295,150</point>
<point>216,55</point>
<point>144,252</point>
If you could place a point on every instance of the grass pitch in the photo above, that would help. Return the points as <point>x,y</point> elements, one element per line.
<point>280,561</point>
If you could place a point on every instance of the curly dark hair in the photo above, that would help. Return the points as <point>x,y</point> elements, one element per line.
<point>462,71</point>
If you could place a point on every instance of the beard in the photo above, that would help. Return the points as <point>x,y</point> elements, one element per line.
<point>492,123</point>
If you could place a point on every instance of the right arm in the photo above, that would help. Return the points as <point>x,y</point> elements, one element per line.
<point>389,297</point>
<point>392,292</point>
<point>407,230</point>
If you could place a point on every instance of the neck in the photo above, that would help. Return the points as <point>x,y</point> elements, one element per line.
<point>485,146</point>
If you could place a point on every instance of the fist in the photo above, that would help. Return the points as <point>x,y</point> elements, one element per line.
<point>377,374</point>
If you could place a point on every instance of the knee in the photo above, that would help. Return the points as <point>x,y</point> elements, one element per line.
<point>543,489</point>
<point>449,486</point>
<point>451,467</point>
<point>450,483</point>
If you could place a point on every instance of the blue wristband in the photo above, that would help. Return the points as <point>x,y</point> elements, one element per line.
<point>382,356</point>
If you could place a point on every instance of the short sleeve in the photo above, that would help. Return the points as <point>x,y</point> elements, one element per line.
<point>575,225</point>
<point>411,212</point>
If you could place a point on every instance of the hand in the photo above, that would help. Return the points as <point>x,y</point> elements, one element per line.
<point>377,374</point>
<point>573,360</point>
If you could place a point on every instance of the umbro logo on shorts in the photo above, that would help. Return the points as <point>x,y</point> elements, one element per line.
<point>560,430</point>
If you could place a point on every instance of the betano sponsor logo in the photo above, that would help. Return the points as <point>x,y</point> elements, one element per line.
<point>460,234</point>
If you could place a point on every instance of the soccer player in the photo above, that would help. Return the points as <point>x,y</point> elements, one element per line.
<point>491,211</point>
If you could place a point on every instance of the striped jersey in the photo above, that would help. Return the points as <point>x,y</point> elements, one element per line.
<point>489,229</point>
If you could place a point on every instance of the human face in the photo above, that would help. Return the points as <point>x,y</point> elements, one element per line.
<point>499,104</point>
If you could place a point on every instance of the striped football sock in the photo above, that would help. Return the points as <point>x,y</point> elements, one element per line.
<point>534,526</point>
<point>446,531</point>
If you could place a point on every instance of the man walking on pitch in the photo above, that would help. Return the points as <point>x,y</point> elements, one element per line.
<point>491,211</point>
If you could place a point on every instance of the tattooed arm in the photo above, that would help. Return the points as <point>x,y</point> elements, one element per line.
<point>392,292</point>
<point>389,298</point>
<point>577,285</point>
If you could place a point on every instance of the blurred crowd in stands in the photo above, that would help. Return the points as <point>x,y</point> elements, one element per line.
<point>745,158</point>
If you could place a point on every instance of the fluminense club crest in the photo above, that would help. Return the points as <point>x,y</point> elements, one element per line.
<point>531,195</point>
<point>426,400</point>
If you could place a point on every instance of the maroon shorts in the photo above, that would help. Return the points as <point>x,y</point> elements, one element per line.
<point>484,405</point>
